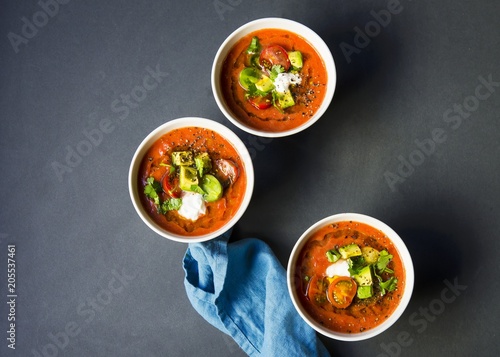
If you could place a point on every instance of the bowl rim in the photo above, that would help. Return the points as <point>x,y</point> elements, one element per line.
<point>163,129</point>
<point>290,25</point>
<point>405,258</point>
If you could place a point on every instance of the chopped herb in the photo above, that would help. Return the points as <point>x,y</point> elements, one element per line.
<point>254,46</point>
<point>356,264</point>
<point>171,204</point>
<point>275,70</point>
<point>383,260</point>
<point>332,255</point>
<point>390,284</point>
<point>151,191</point>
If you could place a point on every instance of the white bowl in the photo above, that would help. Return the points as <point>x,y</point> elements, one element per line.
<point>405,258</point>
<point>279,23</point>
<point>152,138</point>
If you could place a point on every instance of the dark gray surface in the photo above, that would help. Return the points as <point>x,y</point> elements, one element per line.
<point>76,232</point>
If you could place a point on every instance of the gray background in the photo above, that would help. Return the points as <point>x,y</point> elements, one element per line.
<point>75,232</point>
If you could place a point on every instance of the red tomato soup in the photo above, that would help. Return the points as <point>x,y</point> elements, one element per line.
<point>273,80</point>
<point>349,277</point>
<point>214,173</point>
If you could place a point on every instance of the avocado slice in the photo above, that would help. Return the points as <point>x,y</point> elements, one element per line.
<point>203,163</point>
<point>370,255</point>
<point>285,100</point>
<point>364,277</point>
<point>350,250</point>
<point>188,178</point>
<point>264,84</point>
<point>182,158</point>
<point>364,292</point>
<point>212,188</point>
<point>295,58</point>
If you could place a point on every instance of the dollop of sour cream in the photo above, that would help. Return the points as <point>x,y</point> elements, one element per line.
<point>339,268</point>
<point>283,81</point>
<point>193,206</point>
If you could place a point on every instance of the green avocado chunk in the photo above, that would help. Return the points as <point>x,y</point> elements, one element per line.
<point>364,277</point>
<point>203,163</point>
<point>188,178</point>
<point>370,254</point>
<point>212,188</point>
<point>182,158</point>
<point>264,84</point>
<point>285,100</point>
<point>364,292</point>
<point>295,58</point>
<point>350,250</point>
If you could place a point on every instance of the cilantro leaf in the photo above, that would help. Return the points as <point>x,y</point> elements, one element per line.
<point>356,264</point>
<point>151,191</point>
<point>383,260</point>
<point>254,46</point>
<point>332,255</point>
<point>171,204</point>
<point>275,70</point>
<point>390,284</point>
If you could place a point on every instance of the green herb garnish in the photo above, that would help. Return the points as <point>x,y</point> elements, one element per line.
<point>151,191</point>
<point>383,260</point>
<point>275,70</point>
<point>254,46</point>
<point>171,205</point>
<point>332,255</point>
<point>390,284</point>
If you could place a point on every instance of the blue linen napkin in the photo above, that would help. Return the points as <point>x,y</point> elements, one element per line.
<point>241,289</point>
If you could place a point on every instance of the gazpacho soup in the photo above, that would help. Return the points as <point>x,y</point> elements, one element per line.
<point>273,80</point>
<point>349,277</point>
<point>193,181</point>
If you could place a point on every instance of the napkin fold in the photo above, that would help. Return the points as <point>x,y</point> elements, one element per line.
<point>241,289</point>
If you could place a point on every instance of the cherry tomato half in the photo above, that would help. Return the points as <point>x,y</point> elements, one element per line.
<point>260,102</point>
<point>341,291</point>
<point>274,55</point>
<point>316,290</point>
<point>170,185</point>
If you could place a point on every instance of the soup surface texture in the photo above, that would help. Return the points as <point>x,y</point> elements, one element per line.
<point>375,271</point>
<point>163,181</point>
<point>267,111</point>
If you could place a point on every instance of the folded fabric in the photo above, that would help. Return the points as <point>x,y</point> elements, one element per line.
<point>241,289</point>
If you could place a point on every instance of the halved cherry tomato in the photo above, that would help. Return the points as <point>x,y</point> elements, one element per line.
<point>316,290</point>
<point>170,185</point>
<point>274,55</point>
<point>260,102</point>
<point>227,171</point>
<point>341,291</point>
